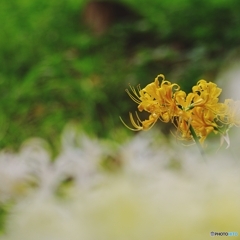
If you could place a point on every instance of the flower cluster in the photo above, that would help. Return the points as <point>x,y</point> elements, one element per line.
<point>195,115</point>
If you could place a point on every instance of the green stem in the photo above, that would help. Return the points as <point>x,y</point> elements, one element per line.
<point>197,141</point>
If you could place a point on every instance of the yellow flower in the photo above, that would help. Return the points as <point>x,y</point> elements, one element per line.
<point>195,115</point>
<point>200,110</point>
<point>203,123</point>
<point>206,94</point>
<point>157,100</point>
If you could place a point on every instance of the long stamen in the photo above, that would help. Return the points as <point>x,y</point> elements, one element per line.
<point>138,117</point>
<point>138,124</point>
<point>135,99</point>
<point>138,128</point>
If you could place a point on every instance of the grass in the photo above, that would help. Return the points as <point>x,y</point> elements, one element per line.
<point>53,70</point>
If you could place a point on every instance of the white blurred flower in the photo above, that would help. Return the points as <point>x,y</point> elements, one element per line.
<point>176,205</point>
<point>13,176</point>
<point>148,198</point>
<point>42,219</point>
<point>17,170</point>
<point>80,157</point>
<point>146,153</point>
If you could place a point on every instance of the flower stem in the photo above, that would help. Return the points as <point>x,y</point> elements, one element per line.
<point>197,141</point>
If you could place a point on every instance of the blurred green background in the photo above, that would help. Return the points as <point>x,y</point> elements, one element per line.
<point>63,61</point>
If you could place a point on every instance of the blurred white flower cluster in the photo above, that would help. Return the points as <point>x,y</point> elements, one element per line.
<point>144,189</point>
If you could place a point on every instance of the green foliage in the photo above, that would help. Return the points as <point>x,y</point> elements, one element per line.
<point>53,70</point>
<point>194,21</point>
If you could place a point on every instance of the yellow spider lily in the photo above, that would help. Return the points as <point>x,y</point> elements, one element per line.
<point>198,111</point>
